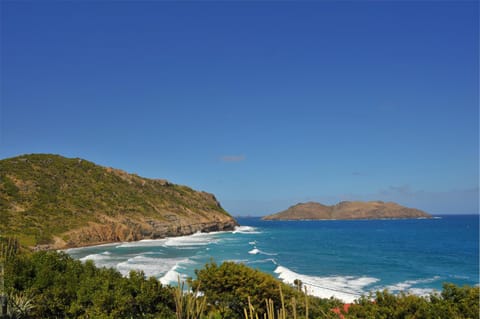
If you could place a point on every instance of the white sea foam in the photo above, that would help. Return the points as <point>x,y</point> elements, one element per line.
<point>171,276</point>
<point>150,266</point>
<point>254,251</point>
<point>238,261</point>
<point>345,288</point>
<point>252,242</point>
<point>408,284</point>
<point>197,239</point>
<point>144,243</point>
<point>104,259</point>
<point>424,292</point>
<point>73,250</point>
<point>263,261</point>
<point>97,257</point>
<point>245,230</point>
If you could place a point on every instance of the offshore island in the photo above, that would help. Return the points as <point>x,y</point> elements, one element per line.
<point>348,211</point>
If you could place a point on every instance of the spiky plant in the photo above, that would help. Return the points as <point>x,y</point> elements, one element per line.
<point>20,305</point>
<point>188,305</point>
<point>270,308</point>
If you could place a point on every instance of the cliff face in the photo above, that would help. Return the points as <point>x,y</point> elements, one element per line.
<point>347,210</point>
<point>52,202</point>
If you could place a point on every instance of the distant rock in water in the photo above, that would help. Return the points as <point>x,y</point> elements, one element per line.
<point>347,210</point>
<point>52,202</point>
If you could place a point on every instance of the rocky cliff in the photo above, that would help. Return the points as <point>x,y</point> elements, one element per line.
<point>51,202</point>
<point>347,210</point>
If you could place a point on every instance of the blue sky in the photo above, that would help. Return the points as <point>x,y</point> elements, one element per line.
<point>265,104</point>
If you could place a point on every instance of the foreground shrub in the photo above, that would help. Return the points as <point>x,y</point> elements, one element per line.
<point>452,303</point>
<point>230,288</point>
<point>60,287</point>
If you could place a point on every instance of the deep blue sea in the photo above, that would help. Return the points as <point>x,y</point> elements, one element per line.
<point>344,259</point>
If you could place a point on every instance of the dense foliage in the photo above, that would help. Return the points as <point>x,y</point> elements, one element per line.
<point>54,285</point>
<point>453,302</point>
<point>38,190</point>
<point>60,287</point>
<point>230,286</point>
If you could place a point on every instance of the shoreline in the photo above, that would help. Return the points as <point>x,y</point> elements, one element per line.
<point>113,243</point>
<point>166,231</point>
<point>194,252</point>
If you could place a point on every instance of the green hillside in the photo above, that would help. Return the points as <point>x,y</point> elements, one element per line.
<point>45,196</point>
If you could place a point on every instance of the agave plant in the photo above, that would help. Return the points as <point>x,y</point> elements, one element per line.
<point>20,305</point>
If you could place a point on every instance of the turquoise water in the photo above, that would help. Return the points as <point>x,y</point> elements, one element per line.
<point>333,258</point>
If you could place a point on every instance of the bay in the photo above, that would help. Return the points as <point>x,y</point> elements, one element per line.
<point>344,259</point>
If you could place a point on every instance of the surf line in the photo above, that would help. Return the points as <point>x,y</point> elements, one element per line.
<point>331,289</point>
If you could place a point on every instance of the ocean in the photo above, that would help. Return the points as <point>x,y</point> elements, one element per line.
<point>344,259</point>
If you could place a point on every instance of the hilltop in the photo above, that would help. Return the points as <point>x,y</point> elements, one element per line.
<point>347,210</point>
<point>51,202</point>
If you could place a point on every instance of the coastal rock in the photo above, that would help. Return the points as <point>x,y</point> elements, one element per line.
<point>347,210</point>
<point>121,231</point>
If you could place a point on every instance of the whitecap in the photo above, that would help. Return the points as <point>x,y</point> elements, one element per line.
<point>408,284</point>
<point>245,230</point>
<point>254,251</point>
<point>171,276</point>
<point>77,249</point>
<point>104,259</point>
<point>97,257</point>
<point>197,239</point>
<point>144,243</point>
<point>238,261</point>
<point>345,288</point>
<point>150,266</point>
<point>423,292</point>
<point>263,261</point>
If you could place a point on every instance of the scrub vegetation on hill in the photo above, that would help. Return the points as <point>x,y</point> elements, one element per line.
<point>69,202</point>
<point>51,284</point>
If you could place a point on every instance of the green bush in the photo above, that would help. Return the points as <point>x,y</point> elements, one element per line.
<point>229,287</point>
<point>452,303</point>
<point>61,287</point>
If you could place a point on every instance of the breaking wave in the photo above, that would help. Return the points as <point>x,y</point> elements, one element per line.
<point>345,288</point>
<point>97,257</point>
<point>245,230</point>
<point>163,268</point>
<point>408,286</point>
<point>256,251</point>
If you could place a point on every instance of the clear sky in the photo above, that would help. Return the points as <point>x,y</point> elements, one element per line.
<point>265,104</point>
